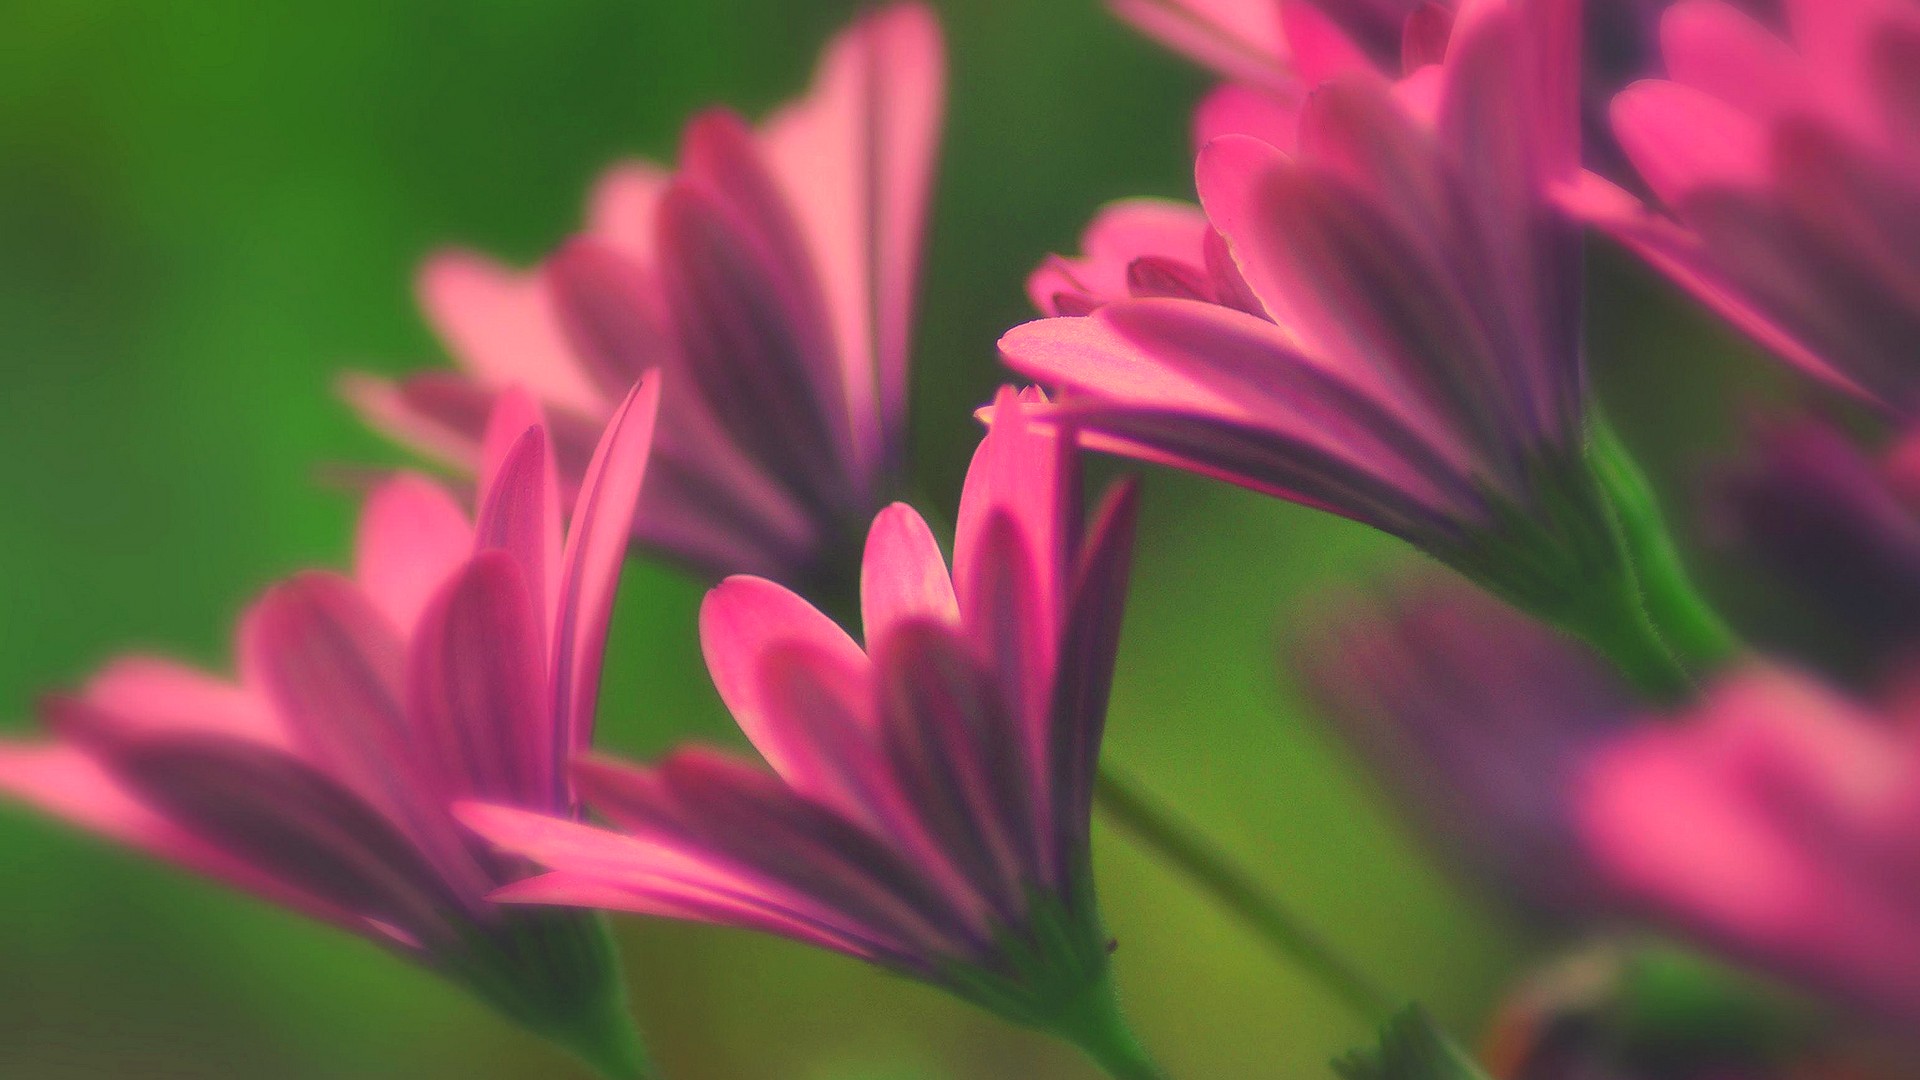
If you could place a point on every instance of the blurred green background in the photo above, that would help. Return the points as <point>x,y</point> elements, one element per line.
<point>208,209</point>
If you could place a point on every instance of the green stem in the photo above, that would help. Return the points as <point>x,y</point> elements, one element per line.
<point>1101,1031</point>
<point>605,1039</point>
<point>1695,633</point>
<point>1233,888</point>
<point>1617,624</point>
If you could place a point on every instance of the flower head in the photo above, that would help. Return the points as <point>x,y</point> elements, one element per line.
<point>460,660</point>
<point>929,796</point>
<point>1477,719</point>
<point>1387,323</point>
<point>772,276</point>
<point>1779,821</point>
<point>1786,170</point>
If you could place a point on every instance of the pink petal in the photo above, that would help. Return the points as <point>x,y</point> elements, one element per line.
<point>596,541</point>
<point>1091,643</point>
<point>855,158</point>
<point>1121,233</point>
<point>66,782</point>
<point>149,694</point>
<point>960,761</point>
<point>333,667</point>
<point>520,499</point>
<point>1681,140</point>
<point>1016,473</point>
<point>1718,49</point>
<point>1321,49</point>
<point>750,322</point>
<point>1215,364</point>
<point>411,536</point>
<point>499,324</point>
<point>477,689</point>
<point>437,414</point>
<point>611,311</point>
<point>1234,109</point>
<point>1236,38</point>
<point>741,621</point>
<point>621,207</point>
<point>903,575</point>
<point>296,825</point>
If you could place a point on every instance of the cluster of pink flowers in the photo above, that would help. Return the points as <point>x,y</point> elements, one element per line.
<point>1374,309</point>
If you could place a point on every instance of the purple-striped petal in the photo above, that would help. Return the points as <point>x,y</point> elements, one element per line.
<point>590,571</point>
<point>477,689</point>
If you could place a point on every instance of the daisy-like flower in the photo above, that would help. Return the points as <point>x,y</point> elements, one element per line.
<point>1786,169</point>
<point>1386,326</point>
<point>928,804</point>
<point>1780,822</point>
<point>772,277</point>
<point>461,660</point>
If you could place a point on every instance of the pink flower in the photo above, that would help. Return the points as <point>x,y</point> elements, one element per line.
<point>1477,719</point>
<point>928,803</point>
<point>1779,822</point>
<point>773,276</point>
<point>1388,326</point>
<point>1787,172</point>
<point>461,660</point>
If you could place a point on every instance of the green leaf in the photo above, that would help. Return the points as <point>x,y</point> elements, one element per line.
<point>1412,1047</point>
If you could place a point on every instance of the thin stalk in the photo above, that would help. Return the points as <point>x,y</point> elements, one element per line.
<point>1185,849</point>
<point>1695,633</point>
<point>1098,1028</point>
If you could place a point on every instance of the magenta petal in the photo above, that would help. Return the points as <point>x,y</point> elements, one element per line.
<point>741,621</point>
<point>439,414</point>
<point>596,542</point>
<point>520,501</point>
<point>1084,680</point>
<point>292,822</point>
<point>903,575</point>
<point>1681,140</point>
<point>960,760</point>
<point>609,308</point>
<point>333,667</point>
<point>500,325</point>
<point>799,848</point>
<point>70,784</point>
<point>757,351</point>
<point>855,158</point>
<point>149,694</point>
<point>621,207</point>
<point>1235,38</point>
<point>477,689</point>
<point>1241,380</point>
<point>412,535</point>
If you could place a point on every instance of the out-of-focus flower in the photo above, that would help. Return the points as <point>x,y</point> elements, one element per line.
<point>773,277</point>
<point>461,660</point>
<point>929,799</point>
<point>1840,526</point>
<point>1388,328</point>
<point>1787,169</point>
<point>1477,719</point>
<point>1779,822</point>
